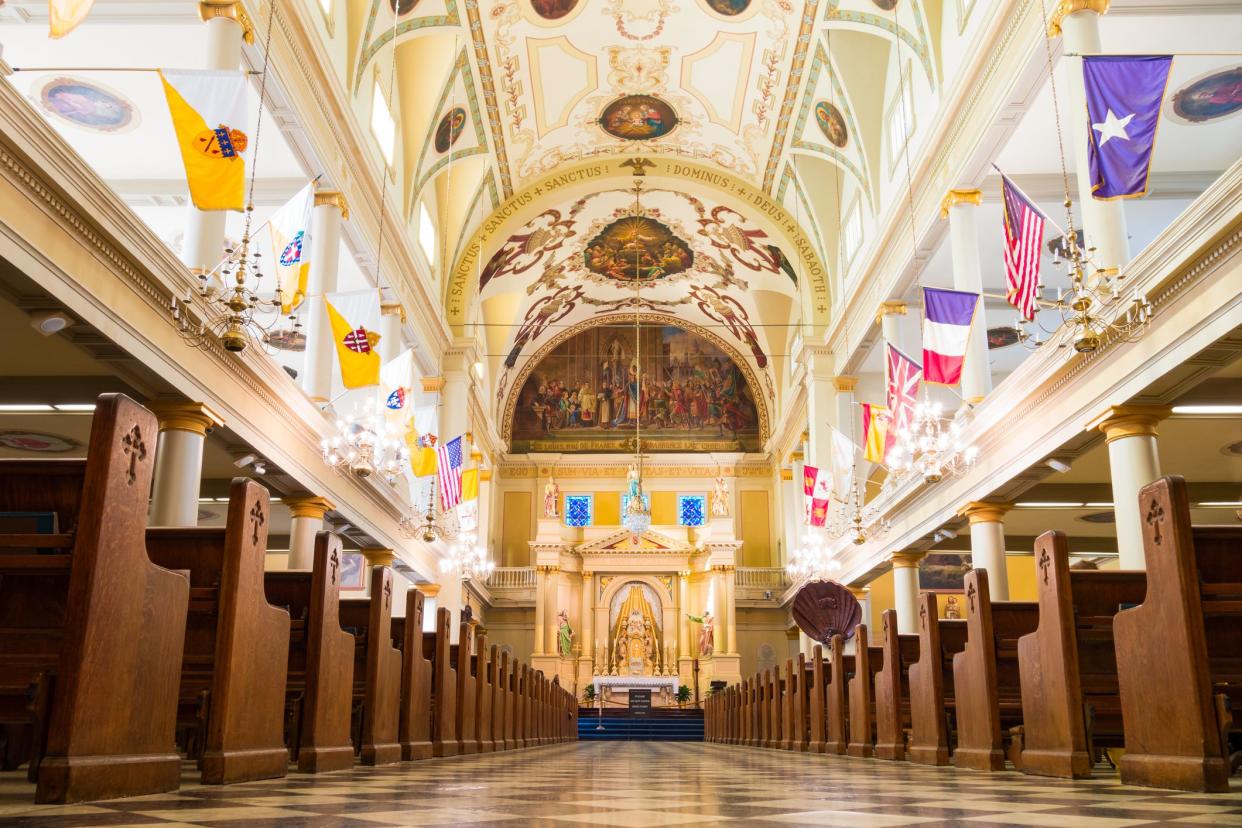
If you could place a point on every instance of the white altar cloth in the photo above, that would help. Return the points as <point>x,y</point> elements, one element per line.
<point>668,684</point>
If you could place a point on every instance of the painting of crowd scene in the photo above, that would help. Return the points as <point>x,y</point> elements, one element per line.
<point>588,395</point>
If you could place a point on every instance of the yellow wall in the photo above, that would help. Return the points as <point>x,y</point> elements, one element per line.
<point>515,530</point>
<point>756,529</point>
<point>607,508</point>
<point>1021,572</point>
<point>664,508</point>
<point>881,599</point>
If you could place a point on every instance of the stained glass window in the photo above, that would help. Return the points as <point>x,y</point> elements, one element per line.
<point>691,510</point>
<point>579,510</point>
<point>625,502</point>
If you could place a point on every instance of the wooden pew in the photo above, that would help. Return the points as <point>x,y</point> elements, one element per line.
<point>1179,653</point>
<point>521,722</point>
<point>985,675</point>
<point>87,620</point>
<point>377,672</point>
<point>841,666</point>
<point>892,697</point>
<point>763,720</point>
<point>511,709</point>
<point>734,724</point>
<point>414,728</point>
<point>794,736</point>
<point>932,700</point>
<point>320,668</point>
<point>868,661</point>
<point>499,678</point>
<point>484,663</point>
<point>467,683</point>
<point>776,697</point>
<point>444,686</point>
<point>233,672</point>
<point>744,708</point>
<point>818,694</point>
<point>1068,666</point>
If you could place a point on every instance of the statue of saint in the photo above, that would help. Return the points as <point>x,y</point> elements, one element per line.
<point>551,494</point>
<point>951,608</point>
<point>720,497</point>
<point>564,635</point>
<point>707,632</point>
<point>631,478</point>
<point>649,644</point>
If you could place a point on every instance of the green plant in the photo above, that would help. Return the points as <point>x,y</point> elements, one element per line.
<point>588,695</point>
<point>683,694</point>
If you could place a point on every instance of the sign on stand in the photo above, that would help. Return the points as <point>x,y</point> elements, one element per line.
<point>640,699</point>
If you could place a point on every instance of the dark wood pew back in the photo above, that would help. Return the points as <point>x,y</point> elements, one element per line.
<point>932,700</point>
<point>892,696</point>
<point>444,690</point>
<point>483,667</point>
<point>840,666</point>
<point>414,733</point>
<point>377,672</point>
<point>868,661</point>
<point>466,688</point>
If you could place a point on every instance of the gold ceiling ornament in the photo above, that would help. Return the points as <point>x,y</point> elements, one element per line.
<point>958,196</point>
<point>890,308</point>
<point>1067,7</point>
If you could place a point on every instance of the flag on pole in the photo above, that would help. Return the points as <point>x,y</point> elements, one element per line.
<point>394,386</point>
<point>448,473</point>
<point>422,451</point>
<point>947,318</point>
<point>816,490</point>
<point>1124,94</point>
<point>289,231</point>
<point>876,440</point>
<point>208,109</point>
<point>904,376</point>
<point>65,15</point>
<point>1024,233</point>
<point>842,466</point>
<point>353,321</point>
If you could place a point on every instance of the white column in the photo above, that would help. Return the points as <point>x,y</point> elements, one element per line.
<point>586,635</point>
<point>683,608</point>
<point>906,590</point>
<point>1104,222</point>
<point>541,609</point>
<point>431,594</point>
<point>179,461</point>
<point>889,318</point>
<point>721,643</point>
<point>306,521</point>
<point>729,577</point>
<point>1133,460</point>
<point>960,206</point>
<point>377,556</point>
<point>330,209</point>
<point>227,25</point>
<point>987,543</point>
<point>391,344</point>
<point>551,608</point>
<point>863,596</point>
<point>822,397</point>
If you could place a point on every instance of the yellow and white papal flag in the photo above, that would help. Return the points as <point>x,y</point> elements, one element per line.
<point>208,109</point>
<point>65,15</point>
<point>289,231</point>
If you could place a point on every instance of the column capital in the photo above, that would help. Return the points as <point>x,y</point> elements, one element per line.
<point>1067,7</point>
<point>844,384</point>
<point>378,556</point>
<point>958,196</point>
<point>195,417</point>
<point>308,507</point>
<point>333,198</point>
<point>791,634</point>
<point>907,559</point>
<point>859,593</point>
<point>430,590</point>
<point>982,511</point>
<point>229,10</point>
<point>1121,421</point>
<point>890,308</point>
<point>587,574</point>
<point>485,475</point>
<point>786,473</point>
<point>431,385</point>
<point>393,309</point>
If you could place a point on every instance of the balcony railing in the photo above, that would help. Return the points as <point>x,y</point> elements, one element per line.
<point>761,578</point>
<point>512,577</point>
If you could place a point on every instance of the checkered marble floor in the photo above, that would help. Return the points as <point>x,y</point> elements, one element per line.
<point>646,784</point>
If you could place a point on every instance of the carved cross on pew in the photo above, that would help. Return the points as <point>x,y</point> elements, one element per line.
<point>923,615</point>
<point>970,597</point>
<point>133,445</point>
<point>387,594</point>
<point>334,560</point>
<point>256,521</point>
<point>1044,563</point>
<point>1155,514</point>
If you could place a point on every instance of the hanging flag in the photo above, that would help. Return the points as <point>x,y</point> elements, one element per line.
<point>842,466</point>
<point>1024,234</point>
<point>876,439</point>
<point>448,472</point>
<point>816,490</point>
<point>469,485</point>
<point>208,110</point>
<point>65,15</point>
<point>947,317</point>
<point>904,376</point>
<point>422,451</point>
<point>1124,95</point>
<point>289,231</point>
<point>394,386</point>
<point>354,337</point>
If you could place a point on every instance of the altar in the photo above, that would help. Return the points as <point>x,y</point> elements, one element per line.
<point>607,687</point>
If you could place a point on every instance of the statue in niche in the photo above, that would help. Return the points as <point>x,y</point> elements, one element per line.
<point>551,496</point>
<point>564,635</point>
<point>707,632</point>
<point>720,497</point>
<point>951,608</point>
<point>631,478</point>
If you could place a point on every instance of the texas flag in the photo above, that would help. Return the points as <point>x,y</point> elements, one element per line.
<point>1124,95</point>
<point>947,316</point>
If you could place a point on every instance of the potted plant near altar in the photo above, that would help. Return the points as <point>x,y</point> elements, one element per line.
<point>588,695</point>
<point>683,695</point>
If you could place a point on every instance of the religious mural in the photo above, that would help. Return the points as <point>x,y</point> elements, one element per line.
<point>637,248</point>
<point>587,395</point>
<point>88,105</point>
<point>886,5</point>
<point>1216,96</point>
<point>728,8</point>
<point>403,6</point>
<point>638,118</point>
<point>553,9</point>
<point>832,123</point>
<point>449,129</point>
<point>941,571</point>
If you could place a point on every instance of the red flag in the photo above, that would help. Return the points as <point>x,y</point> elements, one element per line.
<point>904,377</point>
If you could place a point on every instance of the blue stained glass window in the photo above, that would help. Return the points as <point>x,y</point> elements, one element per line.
<point>625,502</point>
<point>579,510</point>
<point>691,510</point>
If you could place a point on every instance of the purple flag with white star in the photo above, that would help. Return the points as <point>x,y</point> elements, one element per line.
<point>1124,94</point>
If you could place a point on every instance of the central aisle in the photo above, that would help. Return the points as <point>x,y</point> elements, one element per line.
<point>644,784</point>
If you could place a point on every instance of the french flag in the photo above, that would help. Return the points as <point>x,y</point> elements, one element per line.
<point>947,316</point>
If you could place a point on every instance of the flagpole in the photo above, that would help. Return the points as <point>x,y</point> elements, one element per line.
<point>1047,217</point>
<point>103,69</point>
<point>1152,54</point>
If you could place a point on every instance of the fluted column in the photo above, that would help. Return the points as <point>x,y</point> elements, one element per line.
<point>1104,222</point>
<point>906,590</point>
<point>987,543</point>
<point>683,609</point>
<point>541,608</point>
<point>1133,460</point>
<point>552,584</point>
<point>821,403</point>
<point>306,520</point>
<point>961,206</point>
<point>179,461</point>
<point>587,637</point>
<point>729,578</point>
<point>329,211</point>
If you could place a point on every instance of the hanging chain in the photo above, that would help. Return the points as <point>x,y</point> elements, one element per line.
<point>1056,115</point>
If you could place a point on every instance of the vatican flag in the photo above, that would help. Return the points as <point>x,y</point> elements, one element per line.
<point>289,230</point>
<point>470,484</point>
<point>422,451</point>
<point>354,327</point>
<point>208,110</point>
<point>65,15</point>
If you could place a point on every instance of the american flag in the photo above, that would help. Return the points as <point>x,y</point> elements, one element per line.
<point>448,473</point>
<point>904,377</point>
<point>1024,233</point>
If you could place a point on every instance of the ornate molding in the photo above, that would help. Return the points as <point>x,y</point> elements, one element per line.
<point>843,385</point>
<point>907,560</point>
<point>526,471</point>
<point>308,507</point>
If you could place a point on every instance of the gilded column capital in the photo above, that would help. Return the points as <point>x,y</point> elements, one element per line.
<point>333,198</point>
<point>1067,7</point>
<point>587,574</point>
<point>393,309</point>
<point>308,507</point>
<point>378,556</point>
<point>982,511</point>
<point>786,473</point>
<point>842,384</point>
<point>958,196</point>
<point>906,560</point>
<point>228,10</point>
<point>485,475</point>
<point>195,417</point>
<point>430,590</point>
<point>432,385</point>
<point>1121,421</point>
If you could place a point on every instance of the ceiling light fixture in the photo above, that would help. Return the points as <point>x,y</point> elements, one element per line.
<point>50,322</point>
<point>1057,465</point>
<point>1202,410</point>
<point>74,407</point>
<point>24,408</point>
<point>1219,504</point>
<point>1051,504</point>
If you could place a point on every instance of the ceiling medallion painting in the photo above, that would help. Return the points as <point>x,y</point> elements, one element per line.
<point>886,5</point>
<point>449,129</point>
<point>1217,95</point>
<point>638,118</point>
<point>402,6</point>
<point>584,395</point>
<point>728,8</point>
<point>832,123</point>
<point>553,9</point>
<point>637,248</point>
<point>88,105</point>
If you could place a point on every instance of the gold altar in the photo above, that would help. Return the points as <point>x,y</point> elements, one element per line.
<point>637,648</point>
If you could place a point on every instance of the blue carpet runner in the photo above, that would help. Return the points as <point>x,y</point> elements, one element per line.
<point>678,726</point>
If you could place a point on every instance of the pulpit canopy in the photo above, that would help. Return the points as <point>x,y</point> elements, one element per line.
<point>822,609</point>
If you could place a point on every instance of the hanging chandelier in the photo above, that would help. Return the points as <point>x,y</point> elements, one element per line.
<point>366,443</point>
<point>637,516</point>
<point>814,559</point>
<point>430,525</point>
<point>932,446</point>
<point>468,559</point>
